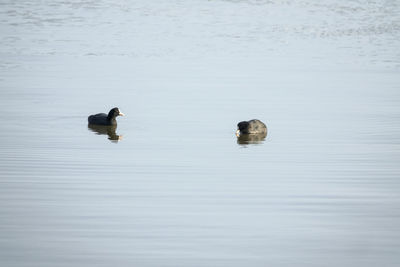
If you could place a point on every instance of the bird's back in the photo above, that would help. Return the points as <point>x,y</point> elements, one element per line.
<point>257,126</point>
<point>99,119</point>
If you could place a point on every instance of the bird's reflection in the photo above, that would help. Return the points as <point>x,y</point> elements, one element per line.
<point>106,130</point>
<point>246,139</point>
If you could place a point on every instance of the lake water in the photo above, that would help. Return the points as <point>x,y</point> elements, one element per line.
<point>174,186</point>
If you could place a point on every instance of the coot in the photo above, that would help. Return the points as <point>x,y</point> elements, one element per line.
<point>251,127</point>
<point>104,119</point>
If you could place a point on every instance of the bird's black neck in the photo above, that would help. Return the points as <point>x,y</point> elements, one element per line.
<point>112,120</point>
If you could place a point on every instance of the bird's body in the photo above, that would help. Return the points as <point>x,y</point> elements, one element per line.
<point>105,119</point>
<point>251,127</point>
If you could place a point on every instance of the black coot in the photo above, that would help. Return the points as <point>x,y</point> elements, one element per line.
<point>104,119</point>
<point>251,127</point>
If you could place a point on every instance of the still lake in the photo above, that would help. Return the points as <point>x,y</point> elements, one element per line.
<point>178,188</point>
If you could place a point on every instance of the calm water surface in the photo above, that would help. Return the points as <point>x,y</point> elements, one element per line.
<point>172,186</point>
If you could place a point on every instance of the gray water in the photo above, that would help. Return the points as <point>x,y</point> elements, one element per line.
<point>176,187</point>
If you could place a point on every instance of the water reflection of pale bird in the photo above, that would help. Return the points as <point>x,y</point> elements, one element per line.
<point>246,139</point>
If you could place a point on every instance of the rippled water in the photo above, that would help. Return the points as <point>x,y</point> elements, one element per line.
<point>173,186</point>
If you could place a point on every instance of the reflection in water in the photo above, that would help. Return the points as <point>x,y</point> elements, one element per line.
<point>108,130</point>
<point>245,139</point>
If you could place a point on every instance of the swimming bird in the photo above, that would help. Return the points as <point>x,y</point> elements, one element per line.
<point>104,119</point>
<point>251,127</point>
